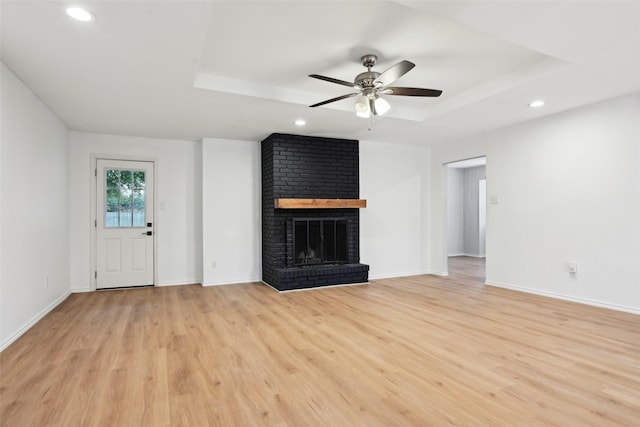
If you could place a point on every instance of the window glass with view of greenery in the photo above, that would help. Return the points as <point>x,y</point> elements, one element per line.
<point>124,198</point>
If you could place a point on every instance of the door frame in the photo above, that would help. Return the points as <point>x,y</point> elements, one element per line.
<point>445,211</point>
<point>93,209</point>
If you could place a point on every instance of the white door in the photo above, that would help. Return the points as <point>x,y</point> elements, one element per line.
<point>124,224</point>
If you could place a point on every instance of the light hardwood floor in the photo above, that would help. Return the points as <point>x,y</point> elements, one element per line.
<point>415,351</point>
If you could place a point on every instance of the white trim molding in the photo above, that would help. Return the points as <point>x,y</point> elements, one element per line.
<point>35,319</point>
<point>179,283</point>
<point>397,275</point>
<point>563,297</point>
<point>440,273</point>
<point>234,282</point>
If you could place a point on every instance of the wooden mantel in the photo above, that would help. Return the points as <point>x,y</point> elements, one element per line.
<point>319,203</point>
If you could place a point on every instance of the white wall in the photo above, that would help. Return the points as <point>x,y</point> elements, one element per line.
<point>393,227</point>
<point>568,189</point>
<point>178,183</point>
<point>231,194</point>
<point>34,220</point>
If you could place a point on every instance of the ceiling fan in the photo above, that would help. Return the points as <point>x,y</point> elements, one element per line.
<point>371,85</point>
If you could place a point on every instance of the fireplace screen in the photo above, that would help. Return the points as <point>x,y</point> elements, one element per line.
<point>320,241</point>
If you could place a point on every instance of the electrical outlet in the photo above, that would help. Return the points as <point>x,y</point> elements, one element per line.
<point>213,264</point>
<point>573,268</point>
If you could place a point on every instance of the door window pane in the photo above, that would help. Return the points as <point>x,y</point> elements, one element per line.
<point>113,178</point>
<point>126,179</point>
<point>125,208</point>
<point>138,208</point>
<point>138,179</point>
<point>125,198</point>
<point>111,207</point>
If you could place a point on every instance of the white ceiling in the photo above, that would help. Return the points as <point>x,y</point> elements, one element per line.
<point>238,69</point>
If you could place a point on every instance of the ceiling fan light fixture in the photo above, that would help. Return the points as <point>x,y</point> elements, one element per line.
<point>382,106</point>
<point>362,107</point>
<point>363,114</point>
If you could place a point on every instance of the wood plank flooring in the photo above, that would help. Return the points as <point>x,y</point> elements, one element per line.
<point>415,351</point>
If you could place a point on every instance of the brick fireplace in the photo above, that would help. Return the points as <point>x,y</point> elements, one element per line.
<point>310,212</point>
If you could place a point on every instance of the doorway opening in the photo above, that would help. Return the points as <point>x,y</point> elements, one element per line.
<point>466,217</point>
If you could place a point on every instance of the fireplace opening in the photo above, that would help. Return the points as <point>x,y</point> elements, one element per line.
<point>320,241</point>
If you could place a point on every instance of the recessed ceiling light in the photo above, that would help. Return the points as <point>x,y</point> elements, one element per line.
<point>537,103</point>
<point>80,14</point>
<point>299,122</point>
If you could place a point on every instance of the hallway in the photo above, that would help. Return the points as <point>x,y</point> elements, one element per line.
<point>469,270</point>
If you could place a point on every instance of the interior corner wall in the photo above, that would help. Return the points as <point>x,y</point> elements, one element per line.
<point>34,220</point>
<point>178,206</point>
<point>231,211</point>
<point>394,180</point>
<point>568,190</point>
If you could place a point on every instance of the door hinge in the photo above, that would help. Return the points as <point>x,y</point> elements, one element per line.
<point>95,223</point>
<point>95,274</point>
<point>95,172</point>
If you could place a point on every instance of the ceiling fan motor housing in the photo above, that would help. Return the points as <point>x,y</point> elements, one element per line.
<point>369,60</point>
<point>366,79</point>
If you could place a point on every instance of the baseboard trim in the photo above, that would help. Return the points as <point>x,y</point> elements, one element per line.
<point>35,319</point>
<point>563,297</point>
<point>469,255</point>
<point>159,285</point>
<point>235,282</point>
<point>180,283</point>
<point>314,287</point>
<point>396,275</point>
<point>440,273</point>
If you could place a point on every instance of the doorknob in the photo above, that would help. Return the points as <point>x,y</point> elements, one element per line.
<point>148,233</point>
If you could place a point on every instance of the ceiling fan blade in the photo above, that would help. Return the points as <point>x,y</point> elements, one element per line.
<point>411,91</point>
<point>335,99</point>
<point>394,73</point>
<point>332,80</point>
